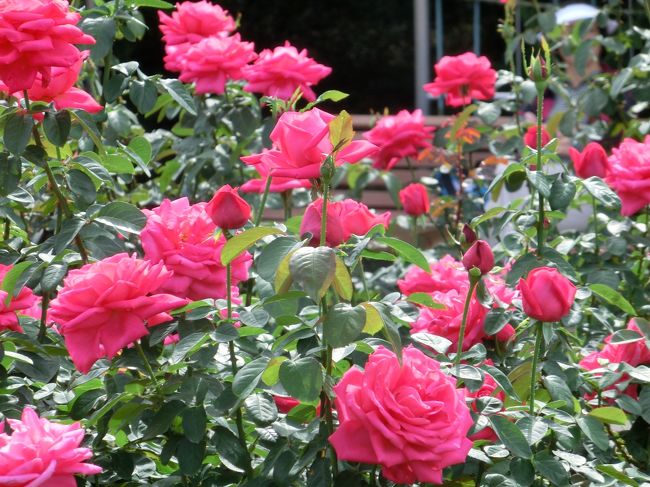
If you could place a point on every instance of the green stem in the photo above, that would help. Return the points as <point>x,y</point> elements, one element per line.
<point>411,169</point>
<point>461,335</point>
<point>147,365</point>
<point>459,168</point>
<point>43,325</point>
<point>414,229</point>
<point>7,232</point>
<point>323,221</point>
<point>363,279</point>
<point>539,336</point>
<point>286,203</point>
<point>596,242</point>
<point>265,195</point>
<point>538,168</point>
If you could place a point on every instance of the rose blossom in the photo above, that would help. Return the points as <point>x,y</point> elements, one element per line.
<point>445,275</point>
<point>408,418</point>
<point>227,209</point>
<point>61,90</point>
<point>181,236</point>
<point>25,303</point>
<point>36,36</point>
<point>302,143</point>
<point>189,24</point>
<point>463,78</point>
<point>399,136</point>
<point>278,185</point>
<point>415,199</point>
<point>629,174</point>
<point>39,452</point>
<point>344,219</point>
<point>592,161</point>
<point>215,60</point>
<point>107,305</point>
<point>280,72</point>
<point>530,137</point>
<point>546,294</point>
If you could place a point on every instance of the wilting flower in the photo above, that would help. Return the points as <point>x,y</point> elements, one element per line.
<point>463,78</point>
<point>546,294</point>
<point>25,303</point>
<point>592,161</point>
<point>215,60</point>
<point>279,72</point>
<point>399,136</point>
<point>182,237</point>
<point>189,24</point>
<point>40,452</point>
<point>629,174</point>
<point>302,144</point>
<point>36,36</point>
<point>344,219</point>
<point>278,185</point>
<point>107,305</point>
<point>409,418</point>
<point>60,89</point>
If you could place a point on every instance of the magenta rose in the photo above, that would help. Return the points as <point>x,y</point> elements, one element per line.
<point>302,143</point>
<point>107,305</point>
<point>408,418</point>
<point>629,174</point>
<point>344,219</point>
<point>399,136</point>
<point>415,199</point>
<point>283,70</point>
<point>278,185</point>
<point>446,274</point>
<point>25,303</point>
<point>36,36</point>
<point>463,78</point>
<point>592,161</point>
<point>181,236</point>
<point>546,294</point>
<point>40,452</point>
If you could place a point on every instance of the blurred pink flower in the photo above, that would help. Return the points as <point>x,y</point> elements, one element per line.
<point>39,452</point>
<point>592,161</point>
<point>278,185</point>
<point>182,237</point>
<point>36,36</point>
<point>215,60</point>
<point>107,305</point>
<point>279,72</point>
<point>25,303</point>
<point>399,136</point>
<point>629,174</point>
<point>463,78</point>
<point>409,418</point>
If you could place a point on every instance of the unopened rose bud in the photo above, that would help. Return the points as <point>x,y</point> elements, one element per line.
<point>227,209</point>
<point>469,234</point>
<point>480,256</point>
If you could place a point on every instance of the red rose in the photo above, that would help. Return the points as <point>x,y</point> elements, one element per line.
<point>592,161</point>
<point>479,255</point>
<point>530,138</point>
<point>546,294</point>
<point>227,209</point>
<point>415,199</point>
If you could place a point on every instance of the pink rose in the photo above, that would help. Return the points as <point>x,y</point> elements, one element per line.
<point>479,255</point>
<point>629,174</point>
<point>302,143</point>
<point>227,209</point>
<point>546,294</point>
<point>344,219</point>
<point>189,24</point>
<point>592,161</point>
<point>107,305</point>
<point>181,236</point>
<point>399,136</point>
<point>215,60</point>
<point>36,36</point>
<point>408,418</point>
<point>463,78</point>
<point>446,274</point>
<point>61,90</point>
<point>278,185</point>
<point>39,452</point>
<point>415,199</point>
<point>280,72</point>
<point>26,303</point>
<point>530,137</point>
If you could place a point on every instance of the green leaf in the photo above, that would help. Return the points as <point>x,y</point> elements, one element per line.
<point>540,182</point>
<point>405,250</point>
<point>82,187</point>
<point>143,94</point>
<point>195,421</point>
<point>261,408</point>
<point>511,437</point>
<point>140,149</point>
<point>424,299</point>
<point>11,169</point>
<point>17,132</point>
<point>625,336</point>
<point>163,418</point>
<point>594,430</point>
<point>342,324</point>
<point>562,193</point>
<point>230,450</point>
<point>190,456</point>
<point>180,94</point>
<point>559,391</point>
<point>332,95</point>
<point>69,230</point>
<point>241,242</point>
<point>249,376</point>
<point>614,473</point>
<point>103,30</point>
<point>533,429</point>
<point>153,3</point>
<point>57,127</point>
<point>342,281</point>
<point>302,378</point>
<point>502,380</point>
<point>271,375</point>
<point>551,468</point>
<point>268,260</point>
<point>12,278</point>
<point>187,346</point>
<point>313,270</point>
<point>340,130</point>
<point>613,297</point>
<point>495,321</point>
<point>116,164</point>
<point>597,188</point>
<point>52,276</point>
<point>609,415</point>
<point>620,80</point>
<point>122,216</point>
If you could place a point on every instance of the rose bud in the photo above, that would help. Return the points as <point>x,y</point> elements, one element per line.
<point>469,234</point>
<point>415,199</point>
<point>530,137</point>
<point>227,209</point>
<point>592,161</point>
<point>546,294</point>
<point>479,255</point>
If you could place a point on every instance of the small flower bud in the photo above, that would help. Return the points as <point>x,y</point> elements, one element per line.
<point>479,256</point>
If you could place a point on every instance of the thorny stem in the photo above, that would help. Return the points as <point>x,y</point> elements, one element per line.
<point>265,195</point>
<point>539,335</point>
<point>538,168</point>
<point>461,335</point>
